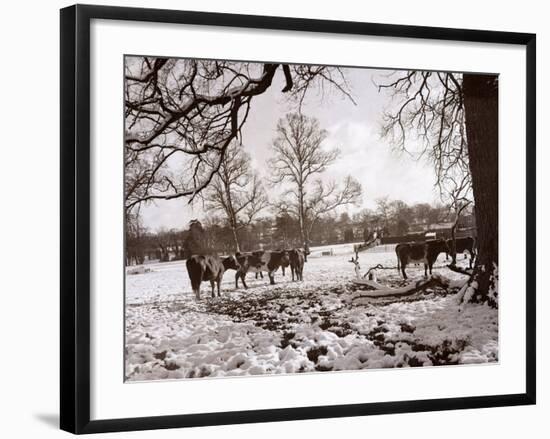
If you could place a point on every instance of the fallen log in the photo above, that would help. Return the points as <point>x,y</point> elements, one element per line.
<point>382,267</point>
<point>369,283</point>
<point>414,287</point>
<point>457,269</point>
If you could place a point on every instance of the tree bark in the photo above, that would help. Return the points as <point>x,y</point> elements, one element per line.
<point>236,238</point>
<point>481,110</point>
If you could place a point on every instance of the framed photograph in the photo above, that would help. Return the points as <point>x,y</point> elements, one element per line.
<point>275,218</point>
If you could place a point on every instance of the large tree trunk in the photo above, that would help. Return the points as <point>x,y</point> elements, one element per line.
<point>481,110</point>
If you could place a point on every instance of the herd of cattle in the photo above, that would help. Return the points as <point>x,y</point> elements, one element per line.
<point>427,252</point>
<point>202,268</point>
<point>211,268</point>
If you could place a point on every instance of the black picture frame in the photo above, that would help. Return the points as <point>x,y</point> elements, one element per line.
<point>75,217</point>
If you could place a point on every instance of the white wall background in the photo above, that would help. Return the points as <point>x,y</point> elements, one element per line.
<point>29,249</point>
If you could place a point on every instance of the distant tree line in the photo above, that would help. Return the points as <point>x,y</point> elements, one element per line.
<point>215,234</point>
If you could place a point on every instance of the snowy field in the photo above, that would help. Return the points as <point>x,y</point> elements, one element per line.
<point>310,326</point>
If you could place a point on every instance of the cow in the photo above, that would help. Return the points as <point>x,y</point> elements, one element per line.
<point>258,262</point>
<point>259,272</point>
<point>253,259</point>
<point>211,268</point>
<point>297,259</point>
<point>462,245</point>
<point>414,252</point>
<point>306,252</point>
<point>285,263</point>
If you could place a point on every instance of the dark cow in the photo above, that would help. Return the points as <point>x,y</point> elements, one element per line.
<point>297,259</point>
<point>415,252</point>
<point>258,262</point>
<point>306,252</point>
<point>462,245</point>
<point>285,263</point>
<point>259,273</point>
<point>208,268</point>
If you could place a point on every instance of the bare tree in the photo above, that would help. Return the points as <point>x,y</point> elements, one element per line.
<point>457,192</point>
<point>455,118</point>
<point>135,233</point>
<point>326,198</point>
<point>298,159</point>
<point>428,109</point>
<point>401,216</point>
<point>180,111</point>
<point>236,191</point>
<point>162,238</point>
<point>384,210</point>
<point>422,212</point>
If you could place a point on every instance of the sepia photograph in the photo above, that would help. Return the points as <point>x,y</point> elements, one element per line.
<point>296,218</point>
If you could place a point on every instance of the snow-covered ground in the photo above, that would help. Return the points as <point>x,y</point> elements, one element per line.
<point>308,326</point>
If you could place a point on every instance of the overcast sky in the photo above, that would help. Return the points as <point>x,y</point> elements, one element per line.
<point>354,129</point>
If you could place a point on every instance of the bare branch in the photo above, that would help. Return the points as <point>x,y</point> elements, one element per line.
<point>430,113</point>
<point>187,112</point>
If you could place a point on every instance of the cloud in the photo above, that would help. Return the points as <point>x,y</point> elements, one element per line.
<point>172,214</point>
<point>380,170</point>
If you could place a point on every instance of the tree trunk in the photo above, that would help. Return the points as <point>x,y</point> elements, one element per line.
<point>481,110</point>
<point>236,238</point>
<point>304,236</point>
<point>232,216</point>
<point>452,249</point>
<point>453,232</point>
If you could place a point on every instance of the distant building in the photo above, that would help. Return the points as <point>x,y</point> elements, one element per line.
<point>421,232</point>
